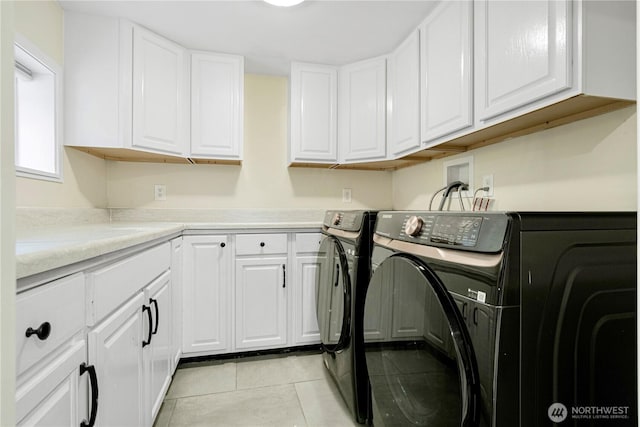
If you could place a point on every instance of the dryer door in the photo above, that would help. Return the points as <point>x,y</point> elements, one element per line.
<point>424,372</point>
<point>333,296</point>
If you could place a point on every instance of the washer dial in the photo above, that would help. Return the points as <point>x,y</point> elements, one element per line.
<point>413,225</point>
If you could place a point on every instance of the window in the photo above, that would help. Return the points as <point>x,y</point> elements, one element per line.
<point>38,110</point>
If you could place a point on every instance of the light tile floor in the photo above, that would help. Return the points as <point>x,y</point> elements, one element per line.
<point>282,390</point>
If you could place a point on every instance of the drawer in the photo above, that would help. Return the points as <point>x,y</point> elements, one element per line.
<point>261,244</point>
<point>308,242</point>
<point>60,304</point>
<point>111,286</point>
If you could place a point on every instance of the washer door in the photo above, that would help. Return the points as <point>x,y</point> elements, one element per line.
<point>333,296</point>
<point>423,372</point>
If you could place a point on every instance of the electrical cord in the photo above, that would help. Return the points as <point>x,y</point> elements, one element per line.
<point>435,194</point>
<point>473,208</point>
<point>448,189</point>
<point>462,188</point>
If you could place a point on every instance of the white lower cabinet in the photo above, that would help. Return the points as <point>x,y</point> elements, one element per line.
<point>158,354</point>
<point>176,301</point>
<point>206,295</point>
<point>261,303</point>
<point>307,264</point>
<point>261,291</point>
<point>115,349</point>
<point>56,395</point>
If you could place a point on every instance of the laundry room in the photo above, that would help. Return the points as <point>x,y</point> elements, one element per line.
<point>207,160</point>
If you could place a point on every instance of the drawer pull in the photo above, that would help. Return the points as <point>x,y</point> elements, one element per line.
<point>284,275</point>
<point>223,244</point>
<point>93,378</point>
<point>42,332</point>
<point>155,303</point>
<point>262,244</point>
<point>148,340</point>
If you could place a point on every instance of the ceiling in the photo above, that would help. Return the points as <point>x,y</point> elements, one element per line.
<point>332,32</point>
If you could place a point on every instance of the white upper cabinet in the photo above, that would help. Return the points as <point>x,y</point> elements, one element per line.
<point>403,103</point>
<point>362,110</point>
<point>523,53</point>
<point>159,95</point>
<point>314,106</point>
<point>217,99</point>
<point>128,94</point>
<point>446,70</point>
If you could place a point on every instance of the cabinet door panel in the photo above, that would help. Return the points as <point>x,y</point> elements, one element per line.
<point>260,303</point>
<point>158,354</point>
<point>53,396</point>
<point>206,303</point>
<point>378,308</point>
<point>115,349</point>
<point>519,61</point>
<point>362,134</point>
<point>306,329</point>
<point>176,300</point>
<point>217,98</point>
<point>158,93</point>
<point>409,296</point>
<point>314,105</point>
<point>447,97</point>
<point>404,97</point>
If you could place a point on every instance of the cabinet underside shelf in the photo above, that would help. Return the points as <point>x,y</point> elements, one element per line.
<point>570,110</point>
<point>126,155</point>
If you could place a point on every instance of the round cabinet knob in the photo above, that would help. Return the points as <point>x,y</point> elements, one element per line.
<point>413,226</point>
<point>262,244</point>
<point>223,244</point>
<point>42,332</point>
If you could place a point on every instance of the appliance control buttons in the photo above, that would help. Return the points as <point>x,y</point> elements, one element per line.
<point>413,226</point>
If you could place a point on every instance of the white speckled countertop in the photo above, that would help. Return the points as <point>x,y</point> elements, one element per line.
<point>47,245</point>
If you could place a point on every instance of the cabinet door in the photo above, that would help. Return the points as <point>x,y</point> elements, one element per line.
<point>176,301</point>
<point>158,354</point>
<point>206,296</point>
<point>159,80</point>
<point>217,99</point>
<point>115,349</point>
<point>446,55</point>
<point>404,97</point>
<point>261,303</point>
<point>521,60</point>
<point>305,321</point>
<point>314,106</point>
<point>362,123</point>
<point>54,397</point>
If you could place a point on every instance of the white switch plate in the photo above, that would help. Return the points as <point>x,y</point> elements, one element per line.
<point>346,195</point>
<point>487,181</point>
<point>160,192</point>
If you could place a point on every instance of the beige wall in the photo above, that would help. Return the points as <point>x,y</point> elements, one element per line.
<point>587,165</point>
<point>263,180</point>
<point>84,176</point>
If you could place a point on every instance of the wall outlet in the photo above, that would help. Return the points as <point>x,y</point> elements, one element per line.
<point>487,181</point>
<point>160,192</point>
<point>346,195</point>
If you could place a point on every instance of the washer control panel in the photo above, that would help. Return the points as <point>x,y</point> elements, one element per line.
<point>480,232</point>
<point>344,220</point>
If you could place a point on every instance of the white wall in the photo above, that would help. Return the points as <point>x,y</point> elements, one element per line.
<point>586,165</point>
<point>84,183</point>
<point>263,180</point>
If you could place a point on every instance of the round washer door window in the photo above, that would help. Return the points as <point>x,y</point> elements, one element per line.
<point>423,373</point>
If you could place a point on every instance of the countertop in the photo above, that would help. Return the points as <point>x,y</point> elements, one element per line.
<point>40,249</point>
